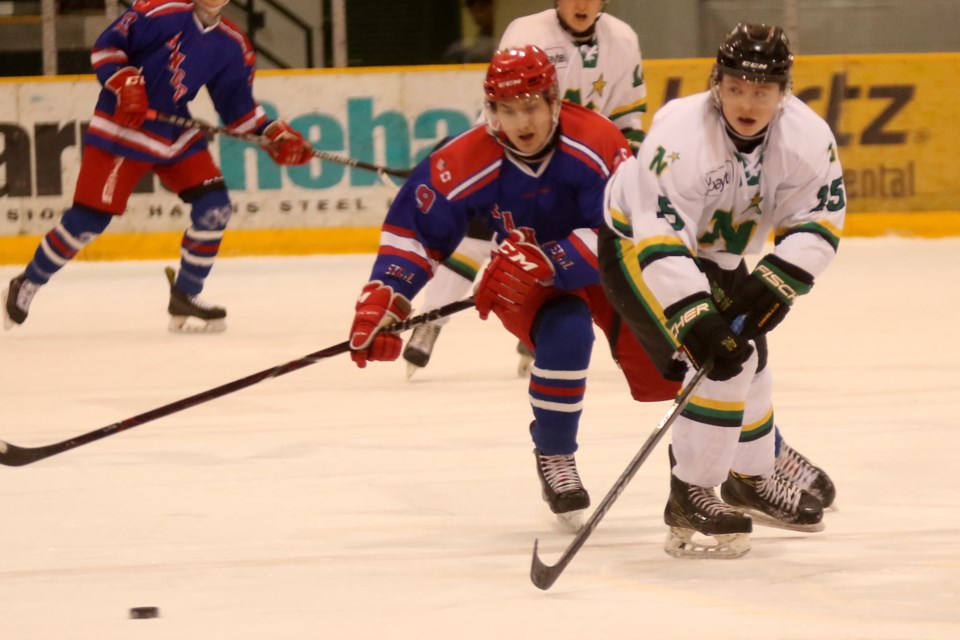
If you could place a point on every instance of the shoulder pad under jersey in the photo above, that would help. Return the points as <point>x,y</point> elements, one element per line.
<point>466,163</point>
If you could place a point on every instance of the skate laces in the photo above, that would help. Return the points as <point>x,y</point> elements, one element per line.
<point>200,304</point>
<point>779,491</point>
<point>795,468</point>
<point>423,337</point>
<point>560,472</point>
<point>25,293</point>
<point>704,499</point>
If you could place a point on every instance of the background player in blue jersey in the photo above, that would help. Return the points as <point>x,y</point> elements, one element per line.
<point>536,172</point>
<point>158,55</point>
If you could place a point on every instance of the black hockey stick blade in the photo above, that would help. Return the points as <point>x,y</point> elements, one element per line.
<point>12,455</point>
<point>544,575</point>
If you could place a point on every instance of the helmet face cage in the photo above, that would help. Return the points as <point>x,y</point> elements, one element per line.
<point>520,73</point>
<point>756,53</point>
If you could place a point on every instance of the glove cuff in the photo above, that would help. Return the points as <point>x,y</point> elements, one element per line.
<point>786,281</point>
<point>123,77</point>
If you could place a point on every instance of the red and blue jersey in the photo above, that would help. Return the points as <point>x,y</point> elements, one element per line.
<point>177,56</point>
<point>558,202</point>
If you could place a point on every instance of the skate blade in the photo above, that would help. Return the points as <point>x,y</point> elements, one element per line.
<point>680,543</point>
<point>8,322</point>
<point>761,518</point>
<point>524,366</point>
<point>411,369</point>
<point>572,521</point>
<point>190,324</point>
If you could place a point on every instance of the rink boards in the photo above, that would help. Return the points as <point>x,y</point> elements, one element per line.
<point>888,112</point>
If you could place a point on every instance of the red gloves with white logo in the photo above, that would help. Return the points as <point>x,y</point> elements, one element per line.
<point>377,307</point>
<point>287,145</point>
<point>131,91</point>
<point>516,269</point>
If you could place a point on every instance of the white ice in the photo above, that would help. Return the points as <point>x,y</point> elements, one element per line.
<point>342,503</point>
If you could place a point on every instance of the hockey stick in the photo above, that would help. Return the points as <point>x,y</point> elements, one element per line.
<point>13,456</point>
<point>263,141</point>
<point>544,575</point>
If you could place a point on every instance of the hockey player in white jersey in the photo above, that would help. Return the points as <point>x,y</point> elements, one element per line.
<point>718,172</point>
<point>599,66</point>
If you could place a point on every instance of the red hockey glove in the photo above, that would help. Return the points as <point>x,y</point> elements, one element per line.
<point>287,146</point>
<point>516,268</point>
<point>377,307</point>
<point>131,91</point>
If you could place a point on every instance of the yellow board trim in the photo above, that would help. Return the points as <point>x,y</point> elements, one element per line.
<point>238,242</point>
<point>331,240</point>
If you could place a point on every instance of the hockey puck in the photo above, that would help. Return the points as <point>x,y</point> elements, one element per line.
<point>139,613</point>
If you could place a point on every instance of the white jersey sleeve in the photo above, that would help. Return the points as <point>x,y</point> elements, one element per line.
<point>811,201</point>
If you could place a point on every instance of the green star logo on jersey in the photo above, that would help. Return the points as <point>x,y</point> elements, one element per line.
<point>598,86</point>
<point>755,204</point>
<point>674,156</point>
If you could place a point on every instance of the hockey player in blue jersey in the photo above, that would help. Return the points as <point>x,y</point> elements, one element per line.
<point>536,171</point>
<point>157,56</point>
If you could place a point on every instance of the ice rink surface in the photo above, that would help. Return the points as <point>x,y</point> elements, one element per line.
<point>342,503</point>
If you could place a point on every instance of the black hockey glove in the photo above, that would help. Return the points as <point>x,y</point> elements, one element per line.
<point>766,296</point>
<point>704,335</point>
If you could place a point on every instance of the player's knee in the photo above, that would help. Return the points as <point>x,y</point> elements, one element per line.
<point>211,209</point>
<point>564,324</point>
<point>79,221</point>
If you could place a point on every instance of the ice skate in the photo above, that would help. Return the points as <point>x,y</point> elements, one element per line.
<point>793,466</point>
<point>189,314</point>
<point>774,502</point>
<point>16,300</point>
<point>420,347</point>
<point>526,360</point>
<point>562,489</point>
<point>702,526</point>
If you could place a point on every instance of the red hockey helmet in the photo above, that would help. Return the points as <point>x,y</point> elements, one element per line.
<point>525,74</point>
<point>520,72</point>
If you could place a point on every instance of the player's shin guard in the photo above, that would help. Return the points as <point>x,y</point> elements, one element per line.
<point>78,228</point>
<point>564,341</point>
<point>198,250</point>
<point>755,451</point>
<point>201,241</point>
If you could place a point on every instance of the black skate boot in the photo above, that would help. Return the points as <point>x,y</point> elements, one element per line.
<point>773,501</point>
<point>793,466</point>
<point>16,300</point>
<point>562,489</point>
<point>697,510</point>
<point>420,347</point>
<point>526,360</point>
<point>183,307</point>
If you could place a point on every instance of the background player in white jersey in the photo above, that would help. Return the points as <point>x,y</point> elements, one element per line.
<point>158,55</point>
<point>717,173</point>
<point>599,66</point>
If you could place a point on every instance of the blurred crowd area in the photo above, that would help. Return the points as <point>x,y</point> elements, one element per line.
<point>362,33</point>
